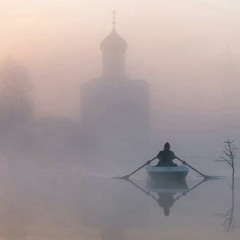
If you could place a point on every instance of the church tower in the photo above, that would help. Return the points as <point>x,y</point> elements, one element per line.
<point>115,108</point>
<point>113,54</point>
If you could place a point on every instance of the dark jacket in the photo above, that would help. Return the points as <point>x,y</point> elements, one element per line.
<point>166,158</point>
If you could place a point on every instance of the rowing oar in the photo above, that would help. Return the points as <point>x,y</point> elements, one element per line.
<point>130,174</point>
<point>203,175</point>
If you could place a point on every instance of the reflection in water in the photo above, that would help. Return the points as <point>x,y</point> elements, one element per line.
<point>166,193</point>
<point>109,206</point>
<point>229,218</point>
<point>60,206</point>
<point>166,201</point>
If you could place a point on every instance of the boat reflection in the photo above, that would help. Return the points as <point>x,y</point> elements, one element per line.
<point>166,193</point>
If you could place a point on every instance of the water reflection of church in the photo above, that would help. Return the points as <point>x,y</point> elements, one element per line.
<point>114,108</point>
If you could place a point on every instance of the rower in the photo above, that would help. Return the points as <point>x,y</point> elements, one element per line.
<point>166,157</point>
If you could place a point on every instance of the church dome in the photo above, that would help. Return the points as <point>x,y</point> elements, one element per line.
<point>114,42</point>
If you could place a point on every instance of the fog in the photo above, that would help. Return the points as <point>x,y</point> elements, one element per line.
<point>87,94</point>
<point>187,52</point>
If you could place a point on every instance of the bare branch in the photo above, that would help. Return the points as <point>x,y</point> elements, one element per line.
<point>229,154</point>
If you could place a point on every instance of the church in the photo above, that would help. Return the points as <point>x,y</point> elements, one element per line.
<point>114,108</point>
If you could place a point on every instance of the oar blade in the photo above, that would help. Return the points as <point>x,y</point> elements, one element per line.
<point>126,177</point>
<point>213,177</point>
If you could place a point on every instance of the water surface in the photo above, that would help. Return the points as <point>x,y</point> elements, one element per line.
<point>51,204</point>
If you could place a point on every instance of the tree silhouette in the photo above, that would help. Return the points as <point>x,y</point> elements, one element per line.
<point>229,157</point>
<point>15,100</point>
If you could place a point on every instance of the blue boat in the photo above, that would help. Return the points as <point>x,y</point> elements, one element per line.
<point>167,173</point>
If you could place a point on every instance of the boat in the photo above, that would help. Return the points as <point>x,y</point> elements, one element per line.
<point>167,173</point>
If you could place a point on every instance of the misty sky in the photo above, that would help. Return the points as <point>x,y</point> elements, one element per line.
<point>187,50</point>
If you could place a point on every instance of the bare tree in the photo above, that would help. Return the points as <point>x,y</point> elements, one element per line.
<point>229,157</point>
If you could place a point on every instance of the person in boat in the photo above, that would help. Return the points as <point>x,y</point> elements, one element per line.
<point>166,157</point>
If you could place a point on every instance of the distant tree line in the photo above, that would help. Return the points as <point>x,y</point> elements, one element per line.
<point>16,105</point>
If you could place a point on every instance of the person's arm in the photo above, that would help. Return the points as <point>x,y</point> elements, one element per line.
<point>159,156</point>
<point>173,155</point>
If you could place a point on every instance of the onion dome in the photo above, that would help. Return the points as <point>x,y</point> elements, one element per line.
<point>114,43</point>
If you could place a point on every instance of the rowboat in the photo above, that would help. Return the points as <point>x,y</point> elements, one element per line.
<point>167,173</point>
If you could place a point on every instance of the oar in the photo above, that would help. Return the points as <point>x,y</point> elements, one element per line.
<point>130,174</point>
<point>203,175</point>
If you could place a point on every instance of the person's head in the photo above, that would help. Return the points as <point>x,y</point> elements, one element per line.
<point>166,211</point>
<point>166,146</point>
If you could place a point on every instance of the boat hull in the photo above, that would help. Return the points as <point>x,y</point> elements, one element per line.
<point>167,173</point>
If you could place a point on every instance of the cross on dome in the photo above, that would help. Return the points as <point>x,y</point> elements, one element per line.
<point>114,42</point>
<point>114,13</point>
